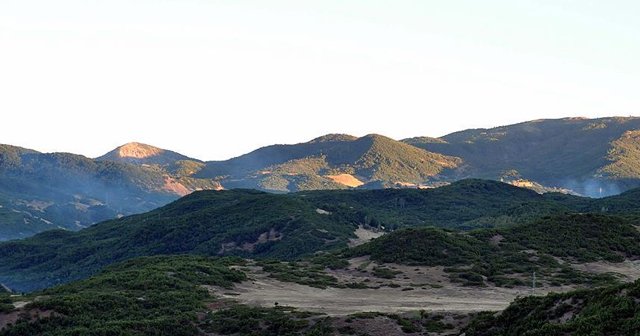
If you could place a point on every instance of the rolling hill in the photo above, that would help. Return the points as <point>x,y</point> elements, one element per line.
<point>256,224</point>
<point>332,161</point>
<point>505,256</point>
<point>603,311</point>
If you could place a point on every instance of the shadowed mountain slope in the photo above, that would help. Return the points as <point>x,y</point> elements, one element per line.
<point>595,157</point>
<point>41,191</point>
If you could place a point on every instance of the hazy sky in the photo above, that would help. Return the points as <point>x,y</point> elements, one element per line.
<point>215,79</point>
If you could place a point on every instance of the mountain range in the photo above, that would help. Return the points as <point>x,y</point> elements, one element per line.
<point>41,191</point>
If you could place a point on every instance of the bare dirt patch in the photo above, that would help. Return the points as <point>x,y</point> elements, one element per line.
<point>33,314</point>
<point>364,236</point>
<point>323,212</point>
<point>496,239</point>
<point>378,326</point>
<point>138,151</point>
<point>20,304</point>
<point>269,236</point>
<point>628,270</point>
<point>415,289</point>
<point>346,179</point>
<point>173,186</point>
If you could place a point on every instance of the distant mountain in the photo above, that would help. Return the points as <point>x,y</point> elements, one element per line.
<point>135,152</point>
<point>332,161</point>
<point>595,157</point>
<point>286,226</point>
<point>60,190</point>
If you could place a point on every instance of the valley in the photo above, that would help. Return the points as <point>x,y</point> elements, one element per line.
<point>187,295</point>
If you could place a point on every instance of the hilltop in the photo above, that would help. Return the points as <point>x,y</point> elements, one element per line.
<point>136,152</point>
<point>595,157</point>
<point>332,161</point>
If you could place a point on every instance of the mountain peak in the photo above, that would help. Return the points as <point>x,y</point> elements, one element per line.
<point>333,137</point>
<point>137,150</point>
<point>139,153</point>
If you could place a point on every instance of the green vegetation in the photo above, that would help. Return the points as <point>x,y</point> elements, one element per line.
<point>290,226</point>
<point>44,191</point>
<point>244,320</point>
<point>507,257</point>
<point>303,273</point>
<point>593,157</point>
<point>586,237</point>
<point>465,204</point>
<point>564,152</point>
<point>384,272</point>
<point>41,192</point>
<point>375,159</point>
<point>242,222</point>
<point>504,257</point>
<point>146,296</point>
<point>410,323</point>
<point>423,246</point>
<point>6,304</point>
<point>624,156</point>
<point>610,311</point>
<point>161,295</point>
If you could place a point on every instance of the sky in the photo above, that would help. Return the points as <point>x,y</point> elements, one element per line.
<point>215,79</point>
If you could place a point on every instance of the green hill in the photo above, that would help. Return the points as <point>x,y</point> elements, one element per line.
<point>168,295</point>
<point>575,237</point>
<point>507,255</point>
<point>209,223</point>
<point>595,157</point>
<point>465,204</point>
<point>148,296</point>
<point>160,296</point>
<point>611,311</point>
<point>287,226</point>
<point>250,223</point>
<point>317,164</point>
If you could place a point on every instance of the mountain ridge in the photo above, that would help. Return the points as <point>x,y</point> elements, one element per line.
<point>594,157</point>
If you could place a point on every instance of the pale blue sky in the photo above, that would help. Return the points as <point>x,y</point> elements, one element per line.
<point>215,79</point>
